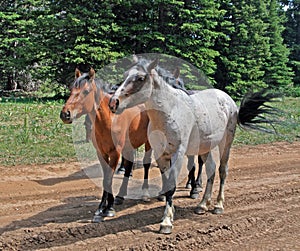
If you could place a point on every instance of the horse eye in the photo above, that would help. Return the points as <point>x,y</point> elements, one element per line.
<point>141,78</point>
<point>86,92</point>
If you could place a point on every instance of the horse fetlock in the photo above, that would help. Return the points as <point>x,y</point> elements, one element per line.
<point>146,195</point>
<point>169,214</point>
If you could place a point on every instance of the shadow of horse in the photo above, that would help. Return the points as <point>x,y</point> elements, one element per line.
<point>81,209</point>
<point>89,172</point>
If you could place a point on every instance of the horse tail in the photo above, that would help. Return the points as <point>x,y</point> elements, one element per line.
<point>257,113</point>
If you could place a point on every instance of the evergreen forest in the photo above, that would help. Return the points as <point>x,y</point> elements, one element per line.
<point>240,45</point>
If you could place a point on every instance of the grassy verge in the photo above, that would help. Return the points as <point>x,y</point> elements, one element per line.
<point>289,130</point>
<point>31,132</point>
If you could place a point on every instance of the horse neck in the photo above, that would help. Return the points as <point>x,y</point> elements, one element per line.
<point>100,112</point>
<point>103,113</point>
<point>163,97</point>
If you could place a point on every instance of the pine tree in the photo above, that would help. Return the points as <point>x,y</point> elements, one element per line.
<point>242,59</point>
<point>15,45</point>
<point>277,74</point>
<point>292,36</point>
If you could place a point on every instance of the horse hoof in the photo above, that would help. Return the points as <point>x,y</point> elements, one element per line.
<point>188,186</point>
<point>198,189</point>
<point>145,199</point>
<point>218,210</point>
<point>99,211</point>
<point>165,229</point>
<point>199,210</point>
<point>161,197</point>
<point>194,195</point>
<point>119,200</point>
<point>97,219</point>
<point>109,212</point>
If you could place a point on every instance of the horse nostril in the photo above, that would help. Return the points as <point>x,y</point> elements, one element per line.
<point>65,115</point>
<point>113,104</point>
<point>117,104</point>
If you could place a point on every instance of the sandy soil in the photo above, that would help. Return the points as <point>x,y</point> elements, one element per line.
<point>51,207</point>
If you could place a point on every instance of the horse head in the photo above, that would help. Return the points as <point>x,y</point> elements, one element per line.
<point>137,87</point>
<point>82,97</point>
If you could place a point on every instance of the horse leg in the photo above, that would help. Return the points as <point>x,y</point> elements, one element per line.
<point>195,185</point>
<point>167,221</point>
<point>123,189</point>
<point>169,186</point>
<point>210,172</point>
<point>223,172</point>
<point>191,168</point>
<point>108,211</point>
<point>98,216</point>
<point>161,195</point>
<point>194,194</point>
<point>99,213</point>
<point>146,164</point>
<point>121,169</point>
<point>199,176</point>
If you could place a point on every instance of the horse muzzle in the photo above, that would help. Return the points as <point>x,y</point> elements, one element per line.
<point>113,104</point>
<point>66,117</point>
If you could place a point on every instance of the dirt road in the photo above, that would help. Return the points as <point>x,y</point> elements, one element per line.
<point>50,207</point>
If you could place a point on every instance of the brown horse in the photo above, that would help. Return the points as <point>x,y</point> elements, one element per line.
<point>112,135</point>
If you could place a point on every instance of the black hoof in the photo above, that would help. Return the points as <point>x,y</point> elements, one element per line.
<point>218,210</point>
<point>109,212</point>
<point>199,210</point>
<point>97,219</point>
<point>194,195</point>
<point>119,200</point>
<point>165,229</point>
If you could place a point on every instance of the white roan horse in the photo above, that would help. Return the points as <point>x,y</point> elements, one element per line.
<point>182,124</point>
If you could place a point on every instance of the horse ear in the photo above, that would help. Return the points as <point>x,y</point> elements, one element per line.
<point>152,65</point>
<point>176,73</point>
<point>92,73</point>
<point>77,73</point>
<point>135,59</point>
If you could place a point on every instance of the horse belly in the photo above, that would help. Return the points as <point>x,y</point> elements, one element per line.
<point>199,145</point>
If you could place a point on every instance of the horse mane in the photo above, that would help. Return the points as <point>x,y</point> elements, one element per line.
<point>77,82</point>
<point>166,75</point>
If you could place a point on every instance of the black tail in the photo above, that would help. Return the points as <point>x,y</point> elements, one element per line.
<point>253,111</point>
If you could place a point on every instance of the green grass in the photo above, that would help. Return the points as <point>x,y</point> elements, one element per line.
<point>288,130</point>
<point>31,132</point>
